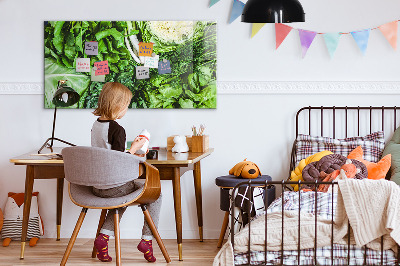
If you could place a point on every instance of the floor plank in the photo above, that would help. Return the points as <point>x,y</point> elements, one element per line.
<point>49,252</point>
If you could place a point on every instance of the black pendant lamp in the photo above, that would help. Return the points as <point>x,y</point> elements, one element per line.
<point>273,11</point>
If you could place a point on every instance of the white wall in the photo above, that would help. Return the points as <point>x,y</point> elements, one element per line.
<point>258,127</point>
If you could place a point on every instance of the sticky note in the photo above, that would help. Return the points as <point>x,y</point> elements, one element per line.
<point>91,48</point>
<point>164,67</point>
<point>102,68</point>
<point>99,78</point>
<point>151,62</point>
<point>83,65</point>
<point>142,72</point>
<point>145,49</point>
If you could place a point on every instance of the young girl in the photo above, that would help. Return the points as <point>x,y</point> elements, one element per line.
<point>107,133</point>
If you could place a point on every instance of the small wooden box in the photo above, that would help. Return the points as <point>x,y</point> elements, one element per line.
<point>171,143</point>
<point>200,143</point>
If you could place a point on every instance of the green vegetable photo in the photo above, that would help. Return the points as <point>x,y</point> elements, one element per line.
<point>188,46</point>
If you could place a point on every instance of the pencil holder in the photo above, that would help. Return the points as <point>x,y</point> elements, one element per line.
<point>200,143</point>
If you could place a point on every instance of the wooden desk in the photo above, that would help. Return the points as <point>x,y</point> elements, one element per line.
<point>171,167</point>
<point>40,167</point>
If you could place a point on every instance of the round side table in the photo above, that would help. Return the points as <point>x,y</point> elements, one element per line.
<point>228,182</point>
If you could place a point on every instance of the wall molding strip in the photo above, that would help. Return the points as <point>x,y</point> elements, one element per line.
<point>310,87</point>
<point>259,87</point>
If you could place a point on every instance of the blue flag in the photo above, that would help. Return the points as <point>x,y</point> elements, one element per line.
<point>237,9</point>
<point>361,38</point>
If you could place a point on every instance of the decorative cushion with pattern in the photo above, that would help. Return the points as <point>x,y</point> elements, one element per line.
<point>328,164</point>
<point>372,144</point>
<point>13,215</point>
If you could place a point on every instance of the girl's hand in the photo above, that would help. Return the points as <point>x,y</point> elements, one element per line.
<point>142,155</point>
<point>137,144</point>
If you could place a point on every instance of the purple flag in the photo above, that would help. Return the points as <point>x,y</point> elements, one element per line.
<point>237,9</point>
<point>306,39</point>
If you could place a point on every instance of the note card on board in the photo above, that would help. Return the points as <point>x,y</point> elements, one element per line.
<point>142,72</point>
<point>145,49</point>
<point>99,78</point>
<point>91,48</point>
<point>83,65</point>
<point>102,68</point>
<point>164,67</point>
<point>151,61</point>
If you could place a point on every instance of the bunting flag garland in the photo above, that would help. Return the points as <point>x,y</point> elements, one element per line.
<point>389,30</point>
<point>281,31</point>
<point>237,9</point>
<point>256,27</point>
<point>332,41</point>
<point>306,39</point>
<point>361,38</point>
<point>213,2</point>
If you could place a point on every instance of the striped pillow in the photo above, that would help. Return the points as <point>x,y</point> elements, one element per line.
<point>372,145</point>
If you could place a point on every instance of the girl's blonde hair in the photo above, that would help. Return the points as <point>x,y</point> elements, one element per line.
<point>113,98</point>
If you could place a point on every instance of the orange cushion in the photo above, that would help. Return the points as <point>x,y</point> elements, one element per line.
<point>375,170</point>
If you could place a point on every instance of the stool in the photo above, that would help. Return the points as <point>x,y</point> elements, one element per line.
<point>226,183</point>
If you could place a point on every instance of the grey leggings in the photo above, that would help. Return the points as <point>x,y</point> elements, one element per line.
<point>154,208</point>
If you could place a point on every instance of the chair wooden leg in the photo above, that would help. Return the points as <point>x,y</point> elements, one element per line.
<point>117,239</point>
<point>154,230</point>
<point>101,222</point>
<point>73,237</point>
<point>223,229</point>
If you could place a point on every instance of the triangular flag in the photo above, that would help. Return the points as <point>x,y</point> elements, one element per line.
<point>390,32</point>
<point>237,9</point>
<point>281,31</point>
<point>361,37</point>
<point>332,41</point>
<point>306,39</point>
<point>213,2</point>
<point>255,28</point>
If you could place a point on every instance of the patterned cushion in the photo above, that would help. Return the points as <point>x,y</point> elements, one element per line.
<point>372,144</point>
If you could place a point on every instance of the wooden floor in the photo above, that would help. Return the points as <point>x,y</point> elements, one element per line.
<point>50,252</point>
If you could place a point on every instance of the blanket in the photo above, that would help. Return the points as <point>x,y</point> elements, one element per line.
<point>274,235</point>
<point>371,207</point>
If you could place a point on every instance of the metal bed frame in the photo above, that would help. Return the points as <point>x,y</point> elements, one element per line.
<point>284,184</point>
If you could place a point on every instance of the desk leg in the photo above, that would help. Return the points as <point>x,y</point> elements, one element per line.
<point>27,206</point>
<point>60,190</point>
<point>199,204</point>
<point>176,183</point>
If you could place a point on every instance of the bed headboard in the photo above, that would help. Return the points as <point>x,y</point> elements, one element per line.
<point>345,121</point>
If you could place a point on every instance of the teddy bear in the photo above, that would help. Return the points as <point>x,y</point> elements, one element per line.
<point>13,215</point>
<point>245,169</point>
<point>180,144</point>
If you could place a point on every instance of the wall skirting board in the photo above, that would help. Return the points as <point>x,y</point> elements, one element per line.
<point>260,87</point>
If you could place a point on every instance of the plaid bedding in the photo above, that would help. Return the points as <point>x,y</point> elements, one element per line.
<point>322,207</point>
<point>324,257</point>
<point>372,145</point>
